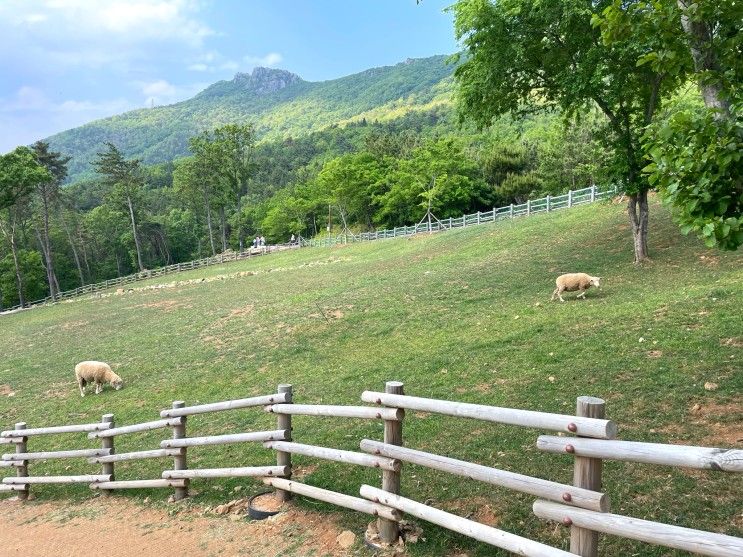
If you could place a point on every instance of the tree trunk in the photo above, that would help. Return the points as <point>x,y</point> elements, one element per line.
<point>14,249</point>
<point>705,60</point>
<point>637,207</point>
<point>45,263</point>
<point>209,221</point>
<point>134,231</point>
<point>74,252</point>
<point>224,228</point>
<point>47,249</point>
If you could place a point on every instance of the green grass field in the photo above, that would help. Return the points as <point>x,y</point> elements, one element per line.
<point>463,315</point>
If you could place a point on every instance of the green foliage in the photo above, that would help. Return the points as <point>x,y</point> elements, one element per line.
<point>20,173</point>
<point>34,278</point>
<point>697,165</point>
<point>162,133</point>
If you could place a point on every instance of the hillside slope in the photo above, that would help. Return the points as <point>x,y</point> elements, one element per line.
<point>279,103</point>
<point>463,315</point>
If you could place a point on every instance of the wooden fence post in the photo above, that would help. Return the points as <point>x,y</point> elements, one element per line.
<point>548,204</point>
<point>587,474</point>
<point>284,421</point>
<point>389,530</point>
<point>478,217</point>
<point>107,443</point>
<point>510,211</point>
<point>593,193</point>
<point>179,462</point>
<point>570,198</point>
<point>22,471</point>
<point>528,207</point>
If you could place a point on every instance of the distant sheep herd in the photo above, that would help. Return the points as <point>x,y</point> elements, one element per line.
<point>100,373</point>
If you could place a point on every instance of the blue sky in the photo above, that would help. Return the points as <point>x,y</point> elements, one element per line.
<point>67,62</point>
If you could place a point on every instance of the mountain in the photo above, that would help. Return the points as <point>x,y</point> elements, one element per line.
<point>279,103</point>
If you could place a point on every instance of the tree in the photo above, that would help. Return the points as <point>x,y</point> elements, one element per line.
<point>527,55</point>
<point>20,173</point>
<point>124,177</point>
<point>234,145</point>
<point>695,150</point>
<point>195,177</point>
<point>47,194</point>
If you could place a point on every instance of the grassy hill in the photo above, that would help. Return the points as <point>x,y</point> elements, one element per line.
<point>463,315</point>
<point>278,103</point>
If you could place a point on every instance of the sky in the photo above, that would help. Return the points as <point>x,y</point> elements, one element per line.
<point>66,62</point>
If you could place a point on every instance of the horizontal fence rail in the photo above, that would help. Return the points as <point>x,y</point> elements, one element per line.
<point>532,207</point>
<point>583,506</point>
<point>55,430</point>
<point>568,494</point>
<point>687,539</point>
<point>77,453</point>
<point>226,405</point>
<point>135,428</point>
<point>363,412</point>
<point>703,458</point>
<point>589,427</point>
<point>135,455</point>
<point>138,484</point>
<point>338,455</point>
<point>334,498</point>
<point>244,472</point>
<point>256,436</point>
<point>481,532</point>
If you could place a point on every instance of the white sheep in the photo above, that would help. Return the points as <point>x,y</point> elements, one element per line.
<point>574,281</point>
<point>98,373</point>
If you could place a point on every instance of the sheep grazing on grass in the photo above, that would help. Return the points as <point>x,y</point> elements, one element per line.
<point>572,282</point>
<point>98,373</point>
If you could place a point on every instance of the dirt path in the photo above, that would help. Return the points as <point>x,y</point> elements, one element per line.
<point>117,527</point>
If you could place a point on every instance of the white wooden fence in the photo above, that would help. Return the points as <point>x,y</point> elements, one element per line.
<point>583,507</point>
<point>531,207</point>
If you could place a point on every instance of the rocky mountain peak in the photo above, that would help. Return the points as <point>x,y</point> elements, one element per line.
<point>264,81</point>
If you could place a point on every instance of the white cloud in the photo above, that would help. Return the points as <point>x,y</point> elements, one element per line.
<point>95,33</point>
<point>212,61</point>
<point>159,87</point>
<point>270,59</point>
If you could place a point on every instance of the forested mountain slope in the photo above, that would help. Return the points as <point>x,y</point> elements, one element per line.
<point>280,104</point>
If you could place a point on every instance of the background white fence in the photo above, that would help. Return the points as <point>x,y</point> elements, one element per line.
<point>531,207</point>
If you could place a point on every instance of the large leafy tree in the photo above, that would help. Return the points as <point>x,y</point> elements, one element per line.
<point>20,174</point>
<point>235,157</point>
<point>46,198</point>
<point>124,178</point>
<point>527,55</point>
<point>696,149</point>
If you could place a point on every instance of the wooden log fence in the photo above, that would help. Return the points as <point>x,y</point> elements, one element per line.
<point>335,498</point>
<point>588,427</point>
<point>226,405</point>
<point>337,455</point>
<point>244,472</point>
<point>253,436</point>
<point>362,412</point>
<point>682,456</point>
<point>45,455</point>
<point>686,539</point>
<point>470,528</point>
<point>531,207</point>
<point>554,491</point>
<point>581,506</point>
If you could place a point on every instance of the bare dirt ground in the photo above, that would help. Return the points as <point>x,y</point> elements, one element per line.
<point>117,527</point>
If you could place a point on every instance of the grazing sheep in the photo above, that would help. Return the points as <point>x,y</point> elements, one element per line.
<point>574,281</point>
<point>98,373</point>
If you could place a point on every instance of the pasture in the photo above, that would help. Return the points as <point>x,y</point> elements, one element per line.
<point>462,315</point>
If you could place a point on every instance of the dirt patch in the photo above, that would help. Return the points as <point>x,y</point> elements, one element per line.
<point>165,305</point>
<point>479,509</point>
<point>654,354</point>
<point>5,390</point>
<point>119,528</point>
<point>69,325</point>
<point>736,342</point>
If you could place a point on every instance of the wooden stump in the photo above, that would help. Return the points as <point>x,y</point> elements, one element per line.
<point>389,530</point>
